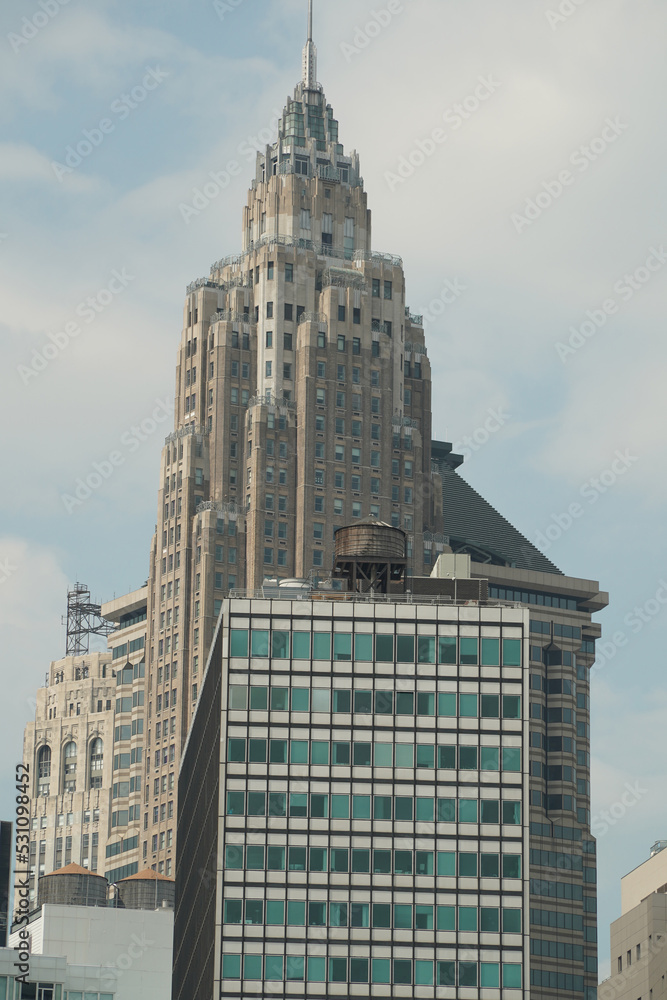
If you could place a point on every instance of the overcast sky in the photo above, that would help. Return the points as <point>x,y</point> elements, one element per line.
<point>511,150</point>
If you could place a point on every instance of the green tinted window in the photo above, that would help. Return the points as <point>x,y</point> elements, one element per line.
<point>405,703</point>
<point>273,968</point>
<point>447,704</point>
<point>319,805</point>
<point>426,649</point>
<point>467,865</point>
<point>259,698</point>
<point>405,755</point>
<point>257,751</point>
<point>446,810</point>
<point>423,973</point>
<point>489,865</point>
<point>298,803</point>
<point>301,645</point>
<point>319,752</point>
<point>489,758</point>
<point>383,754</point>
<point>447,649</point>
<point>489,918</point>
<point>298,751</point>
<point>363,702</point>
<point>382,864</point>
<point>275,859</point>
<point>363,647</point>
<point>254,911</point>
<point>403,862</point>
<point>468,650</point>
<point>321,645</point>
<point>280,645</point>
<point>425,812</point>
<point>235,803</point>
<point>468,758</point>
<point>490,707</point>
<point>361,807</point>
<point>382,806</point>
<point>239,642</point>
<point>512,813</point>
<point>467,810</point>
<point>341,753</point>
<point>252,967</point>
<point>233,911</point>
<point>340,806</point>
<point>424,862</point>
<point>384,648</point>
<point>405,649</point>
<point>361,860</point>
<point>384,702</point>
<point>447,757</point>
<point>300,699</point>
<point>260,642</point>
<point>342,646</point>
<point>446,863</point>
<point>277,804</point>
<point>279,699</point>
<point>511,976</point>
<point>295,968</point>
<point>256,803</point>
<point>511,706</point>
<point>231,966</point>
<point>317,970</point>
<point>278,751</point>
<point>296,859</point>
<point>511,866</point>
<point>489,975</point>
<point>489,811</point>
<point>342,701</point>
<point>490,652</point>
<point>254,859</point>
<point>381,970</point>
<point>446,918</point>
<point>511,759</point>
<point>402,915</point>
<point>403,808</point>
<point>512,921</point>
<point>361,754</point>
<point>468,706</point>
<point>318,859</point>
<point>275,911</point>
<point>236,751</point>
<point>381,915</point>
<point>512,652</point>
<point>467,918</point>
<point>425,703</point>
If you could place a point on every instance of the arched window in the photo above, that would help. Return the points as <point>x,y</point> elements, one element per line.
<point>44,770</point>
<point>70,767</point>
<point>96,763</point>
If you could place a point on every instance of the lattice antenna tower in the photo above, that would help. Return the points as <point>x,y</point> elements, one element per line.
<point>83,620</point>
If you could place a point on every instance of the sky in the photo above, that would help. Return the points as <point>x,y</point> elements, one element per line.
<point>513,154</point>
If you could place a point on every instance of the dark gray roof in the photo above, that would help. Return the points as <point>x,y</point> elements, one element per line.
<point>472,524</point>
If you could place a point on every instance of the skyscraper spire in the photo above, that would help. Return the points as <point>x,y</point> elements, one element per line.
<point>310,54</point>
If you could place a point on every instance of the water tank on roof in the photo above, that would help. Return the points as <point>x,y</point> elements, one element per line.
<point>146,891</point>
<point>370,538</point>
<point>73,886</point>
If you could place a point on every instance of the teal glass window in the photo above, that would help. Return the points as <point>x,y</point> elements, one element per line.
<point>236,751</point>
<point>259,698</point>
<point>511,706</point>
<point>359,914</point>
<point>382,863</point>
<point>239,642</point>
<point>489,758</point>
<point>489,811</point>
<point>361,860</point>
<point>279,699</point>
<point>252,967</point>
<point>342,701</point>
<point>511,759</point>
<point>423,862</point>
<point>490,652</point>
<point>403,971</point>
<point>403,862</point>
<point>363,701</point>
<point>278,751</point>
<point>296,912</point>
<point>467,810</point>
<point>468,706</point>
<point>273,968</point>
<point>426,649</point>
<point>319,805</point>
<point>489,866</point>
<point>511,976</point>
<point>338,914</point>
<point>511,866</point>
<point>300,699</point>
<point>231,966</point>
<point>301,645</point>
<point>235,803</point>
<point>426,755</point>
<point>321,645</point>
<point>382,807</point>
<point>341,753</point>
<point>467,918</point>
<point>318,859</point>
<point>383,754</point>
<point>402,915</point>
<point>275,911</point>
<point>340,806</point>
<point>317,969</point>
<point>425,812</point>
<point>446,918</point>
<point>280,645</point>
<point>275,858</point>
<point>424,917</point>
<point>426,703</point>
<point>381,914</point>
<point>447,862</point>
<point>254,857</point>
<point>361,807</point>
<point>447,757</point>
<point>277,803</point>
<point>233,912</point>
<point>295,968</point>
<point>404,808</point>
<point>337,970</point>
<point>468,758</point>
<point>340,859</point>
<point>423,973</point>
<point>384,648</point>
<point>447,649</point>
<point>490,706</point>
<point>405,703</point>
<point>361,754</point>
<point>381,970</point>
<point>260,642</point>
<point>298,752</point>
<point>363,647</point>
<point>257,751</point>
<point>447,974</point>
<point>342,646</point>
<point>467,865</point>
<point>511,920</point>
<point>254,911</point>
<point>405,649</point>
<point>317,914</point>
<point>384,702</point>
<point>405,755</point>
<point>489,918</point>
<point>256,803</point>
<point>468,974</point>
<point>446,810</point>
<point>238,697</point>
<point>512,652</point>
<point>320,700</point>
<point>298,803</point>
<point>319,753</point>
<point>489,975</point>
<point>358,970</point>
<point>447,704</point>
<point>468,650</point>
<point>512,813</point>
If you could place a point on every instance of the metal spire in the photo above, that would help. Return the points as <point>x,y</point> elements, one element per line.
<point>310,54</point>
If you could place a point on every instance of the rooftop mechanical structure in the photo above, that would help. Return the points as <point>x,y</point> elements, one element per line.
<point>83,620</point>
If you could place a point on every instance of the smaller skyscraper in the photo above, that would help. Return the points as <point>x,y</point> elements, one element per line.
<point>5,872</point>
